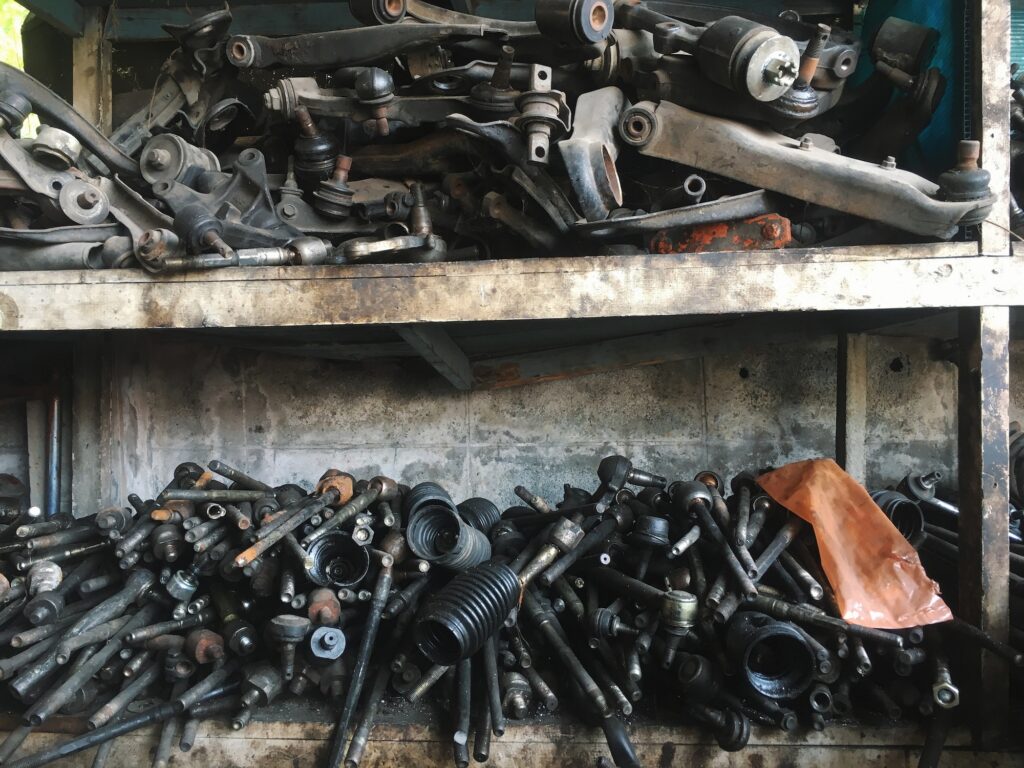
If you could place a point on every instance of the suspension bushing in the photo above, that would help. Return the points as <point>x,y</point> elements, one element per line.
<point>773,656</point>
<point>337,561</point>
<point>459,619</point>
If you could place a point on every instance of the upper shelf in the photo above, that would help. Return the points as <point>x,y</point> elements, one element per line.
<point>858,278</point>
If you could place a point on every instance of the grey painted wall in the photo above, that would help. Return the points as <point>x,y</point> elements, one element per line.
<point>287,419</point>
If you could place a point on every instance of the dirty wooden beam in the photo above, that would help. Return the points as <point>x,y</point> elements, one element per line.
<point>91,71</point>
<point>543,746</point>
<point>436,347</point>
<point>65,15</point>
<point>851,404</point>
<point>643,349</point>
<point>991,64</point>
<point>530,289</point>
<point>89,449</point>
<point>984,597</point>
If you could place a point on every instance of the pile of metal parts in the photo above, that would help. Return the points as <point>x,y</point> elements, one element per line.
<point>922,511</point>
<point>432,135</point>
<point>222,596</point>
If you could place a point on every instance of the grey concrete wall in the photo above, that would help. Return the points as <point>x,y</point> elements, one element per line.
<point>287,419</point>
<point>13,441</point>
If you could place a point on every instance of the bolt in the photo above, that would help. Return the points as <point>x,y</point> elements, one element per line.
<point>158,158</point>
<point>889,163</point>
<point>806,143</point>
<point>771,230</point>
<point>779,70</point>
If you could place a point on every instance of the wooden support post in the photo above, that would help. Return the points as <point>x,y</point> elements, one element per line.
<point>984,595</point>
<point>439,349</point>
<point>90,452</point>
<point>851,404</point>
<point>91,75</point>
<point>992,115</point>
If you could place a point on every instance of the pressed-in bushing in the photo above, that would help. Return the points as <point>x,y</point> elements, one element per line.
<point>904,513</point>
<point>436,533</point>
<point>773,656</point>
<point>459,619</point>
<point>337,561</point>
<point>480,513</point>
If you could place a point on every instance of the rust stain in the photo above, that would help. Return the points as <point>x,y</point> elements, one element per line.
<point>760,233</point>
<point>509,375</point>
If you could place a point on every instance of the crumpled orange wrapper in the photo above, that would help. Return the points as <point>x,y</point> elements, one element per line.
<point>876,575</point>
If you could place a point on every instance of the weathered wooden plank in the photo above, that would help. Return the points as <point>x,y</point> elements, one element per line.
<point>90,451</point>
<point>643,349</point>
<point>66,15</point>
<point>435,346</point>
<point>306,744</point>
<point>518,290</point>
<point>91,73</point>
<point>851,404</point>
<point>992,114</point>
<point>983,422</point>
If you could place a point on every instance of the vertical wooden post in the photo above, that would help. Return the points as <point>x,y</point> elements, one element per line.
<point>91,76</point>
<point>984,594</point>
<point>851,404</point>
<point>90,450</point>
<point>992,114</point>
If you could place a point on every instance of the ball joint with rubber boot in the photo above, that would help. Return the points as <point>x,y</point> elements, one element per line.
<point>333,197</point>
<point>375,88</point>
<point>315,152</point>
<point>287,631</point>
<point>615,472</point>
<point>967,181</point>
<point>461,617</point>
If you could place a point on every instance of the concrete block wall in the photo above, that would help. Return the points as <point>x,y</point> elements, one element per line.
<point>286,419</point>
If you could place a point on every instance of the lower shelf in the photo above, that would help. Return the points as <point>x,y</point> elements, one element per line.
<point>539,745</point>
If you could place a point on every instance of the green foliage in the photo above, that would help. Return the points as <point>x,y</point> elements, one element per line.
<point>11,17</point>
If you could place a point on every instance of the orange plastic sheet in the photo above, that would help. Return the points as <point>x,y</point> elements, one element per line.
<point>876,575</point>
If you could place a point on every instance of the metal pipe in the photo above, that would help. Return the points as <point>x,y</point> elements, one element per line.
<point>54,440</point>
<point>377,604</point>
<point>214,701</point>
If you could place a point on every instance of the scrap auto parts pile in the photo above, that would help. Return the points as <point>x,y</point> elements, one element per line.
<point>431,135</point>
<point>225,594</point>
